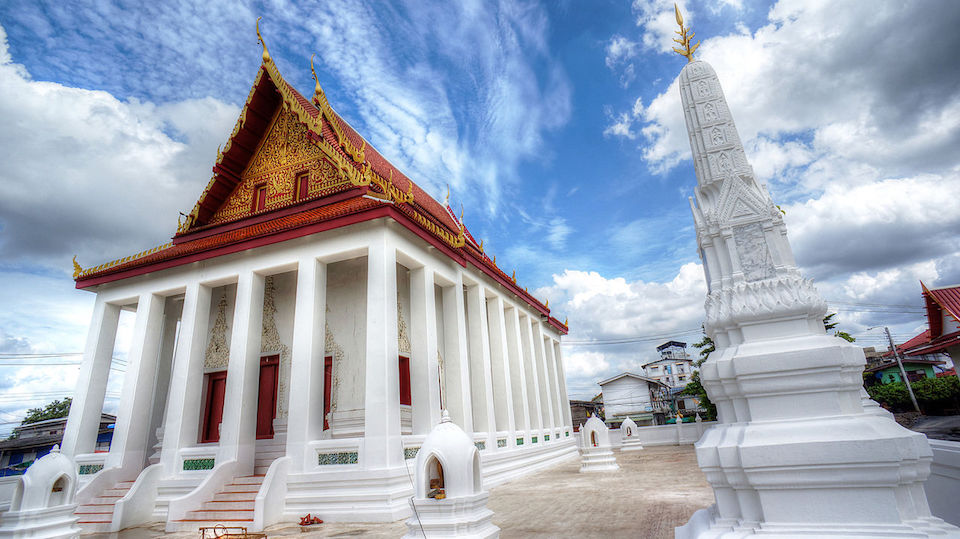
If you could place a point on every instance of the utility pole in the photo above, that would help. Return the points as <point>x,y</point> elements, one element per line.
<point>903,373</point>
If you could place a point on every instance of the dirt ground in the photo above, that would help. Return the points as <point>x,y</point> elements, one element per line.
<point>655,490</point>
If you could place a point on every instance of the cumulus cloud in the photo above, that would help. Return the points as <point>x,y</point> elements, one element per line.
<point>603,309</point>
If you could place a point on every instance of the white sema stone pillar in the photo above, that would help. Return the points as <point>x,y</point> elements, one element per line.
<point>631,438</point>
<point>381,443</point>
<point>305,418</point>
<point>44,500</point>
<point>238,429</point>
<point>794,452</point>
<point>83,423</point>
<point>182,423</point>
<point>596,453</point>
<point>449,500</point>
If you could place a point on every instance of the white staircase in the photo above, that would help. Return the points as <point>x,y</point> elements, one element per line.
<point>97,515</point>
<point>232,506</point>
<point>268,451</point>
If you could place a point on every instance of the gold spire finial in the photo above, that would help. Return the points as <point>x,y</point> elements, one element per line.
<point>76,267</point>
<point>446,201</point>
<point>566,321</point>
<point>685,39</point>
<point>266,55</point>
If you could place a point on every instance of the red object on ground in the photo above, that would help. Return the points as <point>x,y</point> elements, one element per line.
<point>309,519</point>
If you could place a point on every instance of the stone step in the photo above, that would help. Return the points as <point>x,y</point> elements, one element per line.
<point>236,489</point>
<point>228,505</point>
<point>223,496</point>
<point>121,492</point>
<point>248,480</point>
<point>260,470</point>
<point>227,514</point>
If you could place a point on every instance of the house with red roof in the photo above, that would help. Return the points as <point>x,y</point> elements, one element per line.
<point>935,351</point>
<point>299,336</point>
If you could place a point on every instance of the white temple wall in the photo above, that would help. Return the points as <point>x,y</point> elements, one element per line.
<point>347,320</point>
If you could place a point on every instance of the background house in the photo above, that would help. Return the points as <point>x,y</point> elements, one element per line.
<point>639,397</point>
<point>31,441</point>
<point>581,410</point>
<point>674,367</point>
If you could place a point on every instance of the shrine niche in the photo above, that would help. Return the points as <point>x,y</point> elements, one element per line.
<point>285,155</point>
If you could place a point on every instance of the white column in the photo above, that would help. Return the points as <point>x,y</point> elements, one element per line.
<point>424,371</point>
<point>533,381</point>
<point>500,368</point>
<point>182,425</point>
<point>481,387</point>
<point>161,387</point>
<point>305,415</point>
<point>553,384</point>
<point>567,419</point>
<point>521,401</point>
<point>546,395</point>
<point>238,430</point>
<point>381,444</point>
<point>455,363</point>
<point>128,449</point>
<point>83,424</point>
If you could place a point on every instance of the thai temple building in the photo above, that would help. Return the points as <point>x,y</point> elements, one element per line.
<point>297,340</point>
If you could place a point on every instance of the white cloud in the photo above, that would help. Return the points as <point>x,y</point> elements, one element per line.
<point>603,309</point>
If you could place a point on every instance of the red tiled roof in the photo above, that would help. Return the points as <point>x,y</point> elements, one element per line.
<point>948,298</point>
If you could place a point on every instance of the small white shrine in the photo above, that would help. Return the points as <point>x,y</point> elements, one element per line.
<point>631,438</point>
<point>795,451</point>
<point>44,500</point>
<point>449,500</point>
<point>596,453</point>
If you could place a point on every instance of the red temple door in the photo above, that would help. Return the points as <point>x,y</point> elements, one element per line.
<point>213,407</point>
<point>327,387</point>
<point>405,397</point>
<point>267,398</point>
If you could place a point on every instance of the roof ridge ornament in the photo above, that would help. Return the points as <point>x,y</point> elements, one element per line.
<point>685,39</point>
<point>266,54</point>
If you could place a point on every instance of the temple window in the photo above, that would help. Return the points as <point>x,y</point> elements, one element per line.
<point>302,187</point>
<point>259,198</point>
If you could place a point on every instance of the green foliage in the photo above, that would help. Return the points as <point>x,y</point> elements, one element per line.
<point>57,408</point>
<point>706,346</point>
<point>934,395</point>
<point>829,324</point>
<point>695,389</point>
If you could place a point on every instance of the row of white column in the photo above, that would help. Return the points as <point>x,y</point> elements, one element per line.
<point>502,373</point>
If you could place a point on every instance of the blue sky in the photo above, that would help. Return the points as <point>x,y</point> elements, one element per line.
<point>557,126</point>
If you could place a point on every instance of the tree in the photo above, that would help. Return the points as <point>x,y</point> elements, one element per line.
<point>829,324</point>
<point>694,388</point>
<point>54,410</point>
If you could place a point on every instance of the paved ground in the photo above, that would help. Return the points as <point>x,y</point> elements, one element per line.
<point>656,489</point>
<point>942,427</point>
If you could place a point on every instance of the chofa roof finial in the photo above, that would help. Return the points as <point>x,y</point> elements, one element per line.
<point>266,54</point>
<point>685,39</point>
<point>317,90</point>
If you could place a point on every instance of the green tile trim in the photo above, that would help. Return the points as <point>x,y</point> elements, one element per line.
<point>568,433</point>
<point>546,437</point>
<point>480,445</point>
<point>501,442</point>
<point>345,457</point>
<point>88,469</point>
<point>410,453</point>
<point>533,439</point>
<point>519,441</point>
<point>197,464</point>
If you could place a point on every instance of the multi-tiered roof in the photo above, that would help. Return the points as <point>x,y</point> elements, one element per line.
<point>293,167</point>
